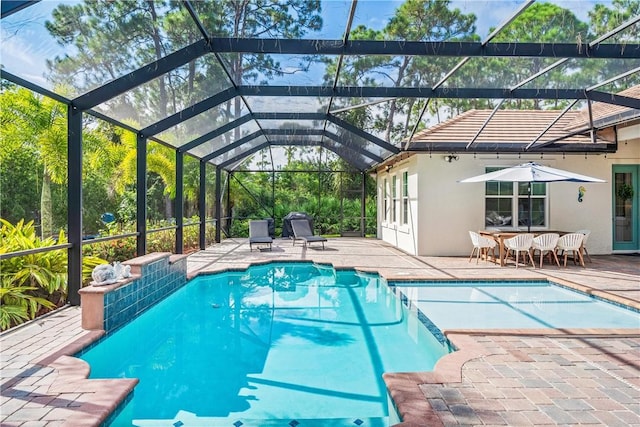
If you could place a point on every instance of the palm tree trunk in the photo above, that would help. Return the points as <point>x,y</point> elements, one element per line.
<point>168,206</point>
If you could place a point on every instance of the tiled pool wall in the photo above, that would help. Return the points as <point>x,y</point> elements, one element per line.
<point>157,280</point>
<point>394,285</point>
<point>435,331</point>
<point>598,297</point>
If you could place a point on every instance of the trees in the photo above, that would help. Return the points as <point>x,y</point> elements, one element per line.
<point>112,38</point>
<point>107,40</point>
<point>37,126</point>
<point>414,20</point>
<point>544,23</point>
<point>35,130</point>
<point>604,19</point>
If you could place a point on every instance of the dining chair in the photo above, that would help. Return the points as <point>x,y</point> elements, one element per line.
<point>546,243</point>
<point>584,242</point>
<point>521,243</point>
<point>571,242</point>
<point>482,245</point>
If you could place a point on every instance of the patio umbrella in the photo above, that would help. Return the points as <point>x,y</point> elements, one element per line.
<point>531,172</point>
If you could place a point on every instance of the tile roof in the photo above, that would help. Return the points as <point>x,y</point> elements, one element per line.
<point>506,126</point>
<point>607,114</point>
<point>524,126</point>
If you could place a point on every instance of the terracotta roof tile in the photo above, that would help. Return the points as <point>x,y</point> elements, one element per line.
<point>506,126</point>
<point>524,126</point>
<point>607,114</point>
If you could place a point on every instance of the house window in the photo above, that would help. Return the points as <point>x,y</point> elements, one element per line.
<point>394,195</point>
<point>405,197</point>
<point>385,200</point>
<point>507,204</point>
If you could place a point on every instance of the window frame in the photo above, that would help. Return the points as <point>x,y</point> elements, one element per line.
<point>394,198</point>
<point>405,197</point>
<point>515,197</point>
<point>385,200</point>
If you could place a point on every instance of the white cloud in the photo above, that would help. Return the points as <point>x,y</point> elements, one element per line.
<point>15,50</point>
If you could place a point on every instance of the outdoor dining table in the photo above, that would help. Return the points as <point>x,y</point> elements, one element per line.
<point>500,236</point>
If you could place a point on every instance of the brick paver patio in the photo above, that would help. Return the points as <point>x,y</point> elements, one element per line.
<point>542,377</point>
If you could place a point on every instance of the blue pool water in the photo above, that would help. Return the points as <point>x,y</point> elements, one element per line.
<point>505,305</point>
<point>272,345</point>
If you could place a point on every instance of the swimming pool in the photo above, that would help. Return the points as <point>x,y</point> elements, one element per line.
<point>512,305</point>
<point>279,344</point>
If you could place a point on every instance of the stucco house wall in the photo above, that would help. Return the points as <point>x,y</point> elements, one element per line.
<point>442,210</point>
<point>400,235</point>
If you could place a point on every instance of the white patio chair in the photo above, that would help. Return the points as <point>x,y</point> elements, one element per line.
<point>546,243</point>
<point>521,243</point>
<point>584,242</point>
<point>571,242</point>
<point>482,245</point>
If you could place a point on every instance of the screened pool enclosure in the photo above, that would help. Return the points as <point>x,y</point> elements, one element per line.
<point>272,106</point>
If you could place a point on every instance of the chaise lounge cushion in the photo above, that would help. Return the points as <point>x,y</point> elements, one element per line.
<point>259,233</point>
<point>302,231</point>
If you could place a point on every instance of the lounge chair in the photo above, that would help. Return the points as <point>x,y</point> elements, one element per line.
<point>302,231</point>
<point>259,233</point>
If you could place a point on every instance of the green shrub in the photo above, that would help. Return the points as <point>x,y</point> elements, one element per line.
<point>112,250</point>
<point>17,304</point>
<point>159,241</point>
<point>30,280</point>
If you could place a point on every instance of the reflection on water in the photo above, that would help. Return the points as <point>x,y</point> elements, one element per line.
<point>280,341</point>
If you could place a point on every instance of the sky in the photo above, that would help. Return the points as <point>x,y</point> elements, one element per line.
<point>25,44</point>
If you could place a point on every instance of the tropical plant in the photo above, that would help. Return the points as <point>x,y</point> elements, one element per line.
<point>18,305</point>
<point>41,125</point>
<point>29,280</point>
<point>34,132</point>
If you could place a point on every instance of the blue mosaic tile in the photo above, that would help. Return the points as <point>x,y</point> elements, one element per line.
<point>178,424</point>
<point>158,280</point>
<point>358,422</point>
<point>435,331</point>
<point>294,423</point>
<point>238,423</point>
<point>109,298</point>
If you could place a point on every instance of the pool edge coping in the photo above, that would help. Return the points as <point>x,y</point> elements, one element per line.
<point>71,377</point>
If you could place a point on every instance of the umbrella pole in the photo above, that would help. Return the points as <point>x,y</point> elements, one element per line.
<point>530,207</point>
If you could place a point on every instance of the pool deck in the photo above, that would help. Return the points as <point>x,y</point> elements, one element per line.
<point>510,377</point>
